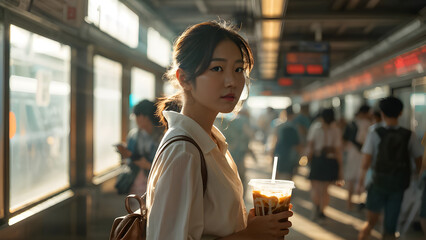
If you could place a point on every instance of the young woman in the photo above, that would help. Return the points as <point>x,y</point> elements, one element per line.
<point>324,144</point>
<point>211,66</point>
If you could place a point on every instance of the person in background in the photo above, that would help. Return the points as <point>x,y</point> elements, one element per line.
<point>288,146</point>
<point>211,65</point>
<point>282,118</point>
<point>388,149</point>
<point>325,155</point>
<point>141,144</point>
<point>377,119</point>
<point>354,137</point>
<point>423,184</point>
<point>303,121</point>
<point>377,116</point>
<point>265,124</point>
<point>238,134</point>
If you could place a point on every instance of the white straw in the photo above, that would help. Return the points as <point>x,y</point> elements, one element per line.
<point>274,169</point>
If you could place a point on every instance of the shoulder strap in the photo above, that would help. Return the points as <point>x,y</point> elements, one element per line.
<point>405,132</point>
<point>188,139</point>
<point>381,131</point>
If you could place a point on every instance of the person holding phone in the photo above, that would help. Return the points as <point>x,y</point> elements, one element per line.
<point>141,145</point>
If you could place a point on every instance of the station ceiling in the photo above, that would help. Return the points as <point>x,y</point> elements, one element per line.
<point>346,26</point>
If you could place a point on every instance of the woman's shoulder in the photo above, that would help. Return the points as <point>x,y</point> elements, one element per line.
<point>177,151</point>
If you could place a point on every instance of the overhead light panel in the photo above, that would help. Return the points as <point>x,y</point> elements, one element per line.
<point>271,29</point>
<point>268,72</point>
<point>272,8</point>
<point>267,60</point>
<point>268,65</point>
<point>270,46</point>
<point>267,55</point>
<point>268,75</point>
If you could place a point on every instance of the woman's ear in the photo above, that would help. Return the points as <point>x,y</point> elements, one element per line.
<point>181,77</point>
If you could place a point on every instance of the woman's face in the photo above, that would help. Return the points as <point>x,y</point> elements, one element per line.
<point>218,89</point>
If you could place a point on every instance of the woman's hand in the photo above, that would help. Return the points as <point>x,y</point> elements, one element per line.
<point>268,227</point>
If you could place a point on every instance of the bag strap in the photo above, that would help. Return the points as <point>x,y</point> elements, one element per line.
<point>188,139</point>
<point>142,199</point>
<point>381,131</point>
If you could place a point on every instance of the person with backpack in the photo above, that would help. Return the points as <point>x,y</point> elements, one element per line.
<point>354,136</point>
<point>423,183</point>
<point>389,149</point>
<point>211,66</point>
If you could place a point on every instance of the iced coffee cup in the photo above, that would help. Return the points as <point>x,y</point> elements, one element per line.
<point>270,197</point>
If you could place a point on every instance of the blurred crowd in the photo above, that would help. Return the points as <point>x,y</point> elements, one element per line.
<point>342,152</point>
<point>345,152</point>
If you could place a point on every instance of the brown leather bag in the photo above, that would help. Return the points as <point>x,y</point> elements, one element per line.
<point>133,225</point>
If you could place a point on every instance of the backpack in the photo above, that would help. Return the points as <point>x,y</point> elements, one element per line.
<point>133,225</point>
<point>392,168</point>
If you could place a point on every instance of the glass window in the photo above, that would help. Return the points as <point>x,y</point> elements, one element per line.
<point>116,19</point>
<point>39,117</point>
<point>107,114</point>
<point>159,48</point>
<point>169,89</point>
<point>418,105</point>
<point>142,86</point>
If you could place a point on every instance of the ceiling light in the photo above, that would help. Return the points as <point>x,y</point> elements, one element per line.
<point>268,59</point>
<point>267,70</point>
<point>268,65</point>
<point>265,54</point>
<point>271,46</point>
<point>268,75</point>
<point>272,8</point>
<point>271,29</point>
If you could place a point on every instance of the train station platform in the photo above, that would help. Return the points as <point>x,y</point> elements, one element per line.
<point>89,214</point>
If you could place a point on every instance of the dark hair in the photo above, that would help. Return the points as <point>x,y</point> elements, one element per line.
<point>193,51</point>
<point>364,109</point>
<point>377,115</point>
<point>146,108</point>
<point>328,115</point>
<point>391,107</point>
<point>289,111</point>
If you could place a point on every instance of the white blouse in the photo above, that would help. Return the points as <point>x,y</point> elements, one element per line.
<point>324,137</point>
<point>175,202</point>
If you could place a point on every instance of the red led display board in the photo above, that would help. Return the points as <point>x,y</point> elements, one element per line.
<point>285,82</point>
<point>307,64</point>
<point>411,62</point>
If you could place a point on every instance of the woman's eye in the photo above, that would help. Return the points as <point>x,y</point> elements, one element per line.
<point>240,69</point>
<point>217,69</point>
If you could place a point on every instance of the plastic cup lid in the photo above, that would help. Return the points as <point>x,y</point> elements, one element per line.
<point>268,184</point>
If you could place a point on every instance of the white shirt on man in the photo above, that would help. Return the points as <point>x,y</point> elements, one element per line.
<point>176,206</point>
